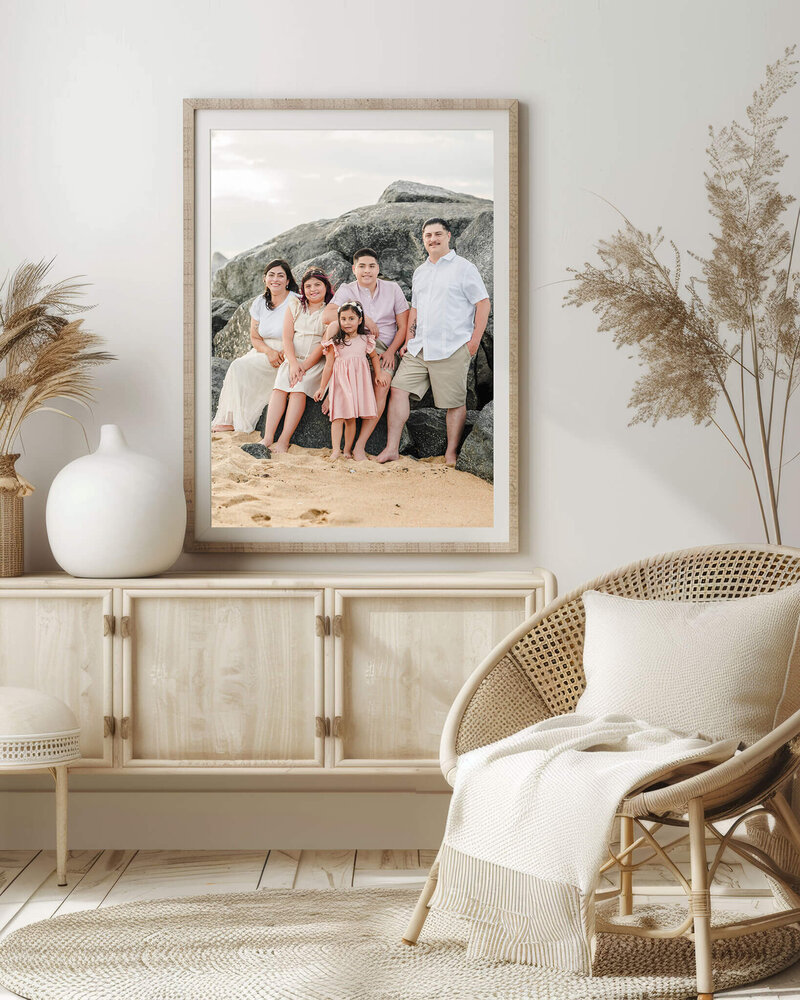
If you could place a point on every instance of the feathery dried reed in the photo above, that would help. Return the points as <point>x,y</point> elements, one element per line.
<point>44,354</point>
<point>732,334</point>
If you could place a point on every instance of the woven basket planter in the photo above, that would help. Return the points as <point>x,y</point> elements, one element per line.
<point>12,534</point>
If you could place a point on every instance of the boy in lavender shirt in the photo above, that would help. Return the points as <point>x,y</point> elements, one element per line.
<point>385,315</point>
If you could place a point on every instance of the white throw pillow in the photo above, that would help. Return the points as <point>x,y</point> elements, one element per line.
<point>723,668</point>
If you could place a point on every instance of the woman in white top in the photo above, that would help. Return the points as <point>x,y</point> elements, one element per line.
<point>249,380</point>
<point>300,374</point>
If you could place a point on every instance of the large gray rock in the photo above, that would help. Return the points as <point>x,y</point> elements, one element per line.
<point>472,386</point>
<point>477,452</point>
<point>392,227</point>
<point>233,340</point>
<point>242,276</point>
<point>337,269</point>
<point>221,312</point>
<point>476,243</point>
<point>413,191</point>
<point>484,377</point>
<point>219,369</point>
<point>314,429</point>
<point>428,430</point>
<point>218,260</point>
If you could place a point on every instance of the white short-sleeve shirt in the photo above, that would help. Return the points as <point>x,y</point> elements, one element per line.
<point>270,321</point>
<point>445,295</point>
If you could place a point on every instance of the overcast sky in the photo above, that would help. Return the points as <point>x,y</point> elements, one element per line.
<point>263,182</point>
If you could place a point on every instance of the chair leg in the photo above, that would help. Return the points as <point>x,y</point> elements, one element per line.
<point>60,775</point>
<point>790,822</point>
<point>700,900</point>
<point>625,877</point>
<point>421,909</point>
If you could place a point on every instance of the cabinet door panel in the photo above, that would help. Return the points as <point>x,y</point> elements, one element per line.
<point>55,641</point>
<point>222,678</point>
<point>400,660</point>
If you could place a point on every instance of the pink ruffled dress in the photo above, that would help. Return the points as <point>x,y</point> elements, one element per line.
<point>350,389</point>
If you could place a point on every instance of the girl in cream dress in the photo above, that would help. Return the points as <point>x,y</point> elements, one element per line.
<point>249,380</point>
<point>300,374</point>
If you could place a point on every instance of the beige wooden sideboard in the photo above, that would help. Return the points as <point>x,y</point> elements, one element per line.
<point>251,674</point>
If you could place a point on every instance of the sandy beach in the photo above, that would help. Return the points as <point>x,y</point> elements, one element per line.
<point>305,488</point>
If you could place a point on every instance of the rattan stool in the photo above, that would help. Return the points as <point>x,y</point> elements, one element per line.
<point>39,731</point>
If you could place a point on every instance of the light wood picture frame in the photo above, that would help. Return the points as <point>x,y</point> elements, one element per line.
<point>244,171</point>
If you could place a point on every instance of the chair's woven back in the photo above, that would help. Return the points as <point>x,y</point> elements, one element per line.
<point>552,652</point>
<point>550,655</point>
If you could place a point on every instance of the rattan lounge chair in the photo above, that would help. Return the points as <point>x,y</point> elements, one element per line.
<point>536,673</point>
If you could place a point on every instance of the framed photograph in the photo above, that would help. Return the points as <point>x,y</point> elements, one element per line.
<point>350,321</point>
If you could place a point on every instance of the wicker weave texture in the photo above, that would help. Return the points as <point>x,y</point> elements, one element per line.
<point>551,653</point>
<point>12,539</point>
<point>505,703</point>
<point>56,748</point>
<point>328,944</point>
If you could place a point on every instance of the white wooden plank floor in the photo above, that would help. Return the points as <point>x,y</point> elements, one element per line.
<point>28,889</point>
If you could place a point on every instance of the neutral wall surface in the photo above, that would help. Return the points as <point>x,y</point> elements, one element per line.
<point>616,98</point>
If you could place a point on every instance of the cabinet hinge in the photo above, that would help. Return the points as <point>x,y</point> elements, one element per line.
<point>125,727</point>
<point>323,625</point>
<point>338,727</point>
<point>109,624</point>
<point>338,625</point>
<point>125,627</point>
<point>109,725</point>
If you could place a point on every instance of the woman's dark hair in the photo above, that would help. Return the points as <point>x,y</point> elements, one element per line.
<point>315,272</point>
<point>340,337</point>
<point>291,284</point>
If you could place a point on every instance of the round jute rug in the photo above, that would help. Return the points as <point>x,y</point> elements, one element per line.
<point>338,945</point>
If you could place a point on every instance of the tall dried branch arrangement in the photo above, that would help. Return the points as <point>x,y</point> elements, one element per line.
<point>44,354</point>
<point>723,347</point>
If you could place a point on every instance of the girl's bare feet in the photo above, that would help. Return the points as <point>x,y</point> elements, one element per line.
<point>347,454</point>
<point>278,448</point>
<point>221,427</point>
<point>450,459</point>
<point>359,455</point>
<point>335,455</point>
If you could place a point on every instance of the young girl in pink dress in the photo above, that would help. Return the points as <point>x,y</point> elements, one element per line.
<point>347,376</point>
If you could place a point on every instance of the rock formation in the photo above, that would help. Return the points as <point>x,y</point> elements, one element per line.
<point>221,312</point>
<point>477,452</point>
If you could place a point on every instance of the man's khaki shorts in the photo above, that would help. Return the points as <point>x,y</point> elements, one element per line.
<point>381,348</point>
<point>447,378</point>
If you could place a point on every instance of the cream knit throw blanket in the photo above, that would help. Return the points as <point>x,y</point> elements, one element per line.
<point>529,827</point>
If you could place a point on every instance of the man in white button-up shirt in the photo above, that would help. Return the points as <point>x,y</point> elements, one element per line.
<point>449,311</point>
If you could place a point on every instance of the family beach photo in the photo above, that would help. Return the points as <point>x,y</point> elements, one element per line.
<point>352,362</point>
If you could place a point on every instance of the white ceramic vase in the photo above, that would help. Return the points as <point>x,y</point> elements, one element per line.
<point>115,513</point>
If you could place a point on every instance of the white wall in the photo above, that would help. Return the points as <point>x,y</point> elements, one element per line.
<point>616,99</point>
